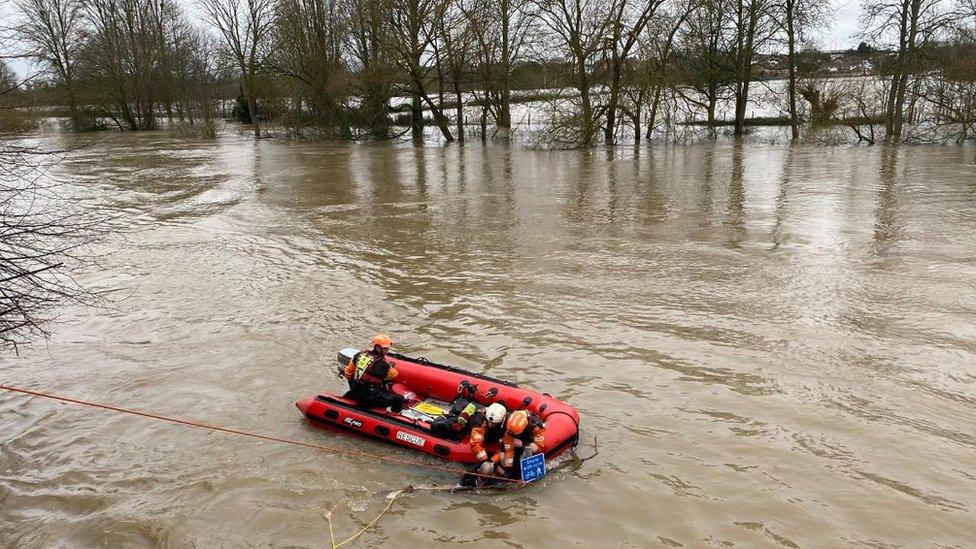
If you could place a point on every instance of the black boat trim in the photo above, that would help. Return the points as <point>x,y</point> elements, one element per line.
<point>425,362</point>
<point>336,402</point>
<point>420,427</point>
<point>329,424</point>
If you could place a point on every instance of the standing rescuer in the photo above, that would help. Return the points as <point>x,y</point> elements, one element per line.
<point>369,373</point>
<point>524,434</point>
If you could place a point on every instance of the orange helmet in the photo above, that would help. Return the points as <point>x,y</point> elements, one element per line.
<point>517,422</point>
<point>382,340</point>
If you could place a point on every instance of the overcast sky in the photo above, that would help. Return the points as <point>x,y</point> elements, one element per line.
<point>839,35</point>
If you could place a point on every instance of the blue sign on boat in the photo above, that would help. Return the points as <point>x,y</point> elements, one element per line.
<point>533,468</point>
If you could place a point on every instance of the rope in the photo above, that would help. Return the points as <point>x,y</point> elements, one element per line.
<point>392,498</point>
<point>258,436</point>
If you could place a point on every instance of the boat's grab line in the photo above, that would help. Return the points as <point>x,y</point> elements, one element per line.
<point>258,436</point>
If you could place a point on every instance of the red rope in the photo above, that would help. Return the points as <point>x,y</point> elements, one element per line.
<point>200,425</point>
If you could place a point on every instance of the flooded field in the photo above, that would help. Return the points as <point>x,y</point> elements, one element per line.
<point>775,346</point>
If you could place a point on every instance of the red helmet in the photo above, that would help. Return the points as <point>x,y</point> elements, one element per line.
<point>382,340</point>
<point>517,422</point>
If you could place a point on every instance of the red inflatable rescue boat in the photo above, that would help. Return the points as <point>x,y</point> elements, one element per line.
<point>434,386</point>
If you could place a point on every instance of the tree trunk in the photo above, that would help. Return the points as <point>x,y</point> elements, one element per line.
<point>436,110</point>
<point>742,100</point>
<point>745,42</point>
<point>609,132</point>
<point>586,129</point>
<point>484,123</point>
<point>908,44</point>
<point>459,111</point>
<point>252,106</point>
<point>416,117</point>
<point>637,125</point>
<point>652,119</point>
<point>791,59</point>
<point>890,103</point>
<point>504,111</point>
<point>712,100</point>
<point>587,126</point>
<point>73,107</point>
<point>900,107</point>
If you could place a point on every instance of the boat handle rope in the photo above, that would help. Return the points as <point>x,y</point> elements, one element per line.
<point>200,425</point>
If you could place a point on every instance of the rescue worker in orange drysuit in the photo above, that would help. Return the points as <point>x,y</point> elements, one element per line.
<point>525,436</point>
<point>488,427</point>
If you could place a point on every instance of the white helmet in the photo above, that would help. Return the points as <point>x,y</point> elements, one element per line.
<point>495,413</point>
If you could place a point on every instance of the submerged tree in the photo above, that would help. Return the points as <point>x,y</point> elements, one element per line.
<point>52,29</point>
<point>413,29</point>
<point>911,26</point>
<point>707,66</point>
<point>580,29</point>
<point>308,40</point>
<point>796,18</point>
<point>628,23</point>
<point>371,61</point>
<point>753,24</point>
<point>245,26</point>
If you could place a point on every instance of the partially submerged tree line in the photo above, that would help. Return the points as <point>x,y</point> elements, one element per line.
<point>609,69</point>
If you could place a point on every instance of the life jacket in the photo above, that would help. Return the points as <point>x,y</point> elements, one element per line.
<point>534,433</point>
<point>371,371</point>
<point>528,435</point>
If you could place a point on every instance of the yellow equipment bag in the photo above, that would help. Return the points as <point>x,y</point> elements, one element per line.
<point>429,409</point>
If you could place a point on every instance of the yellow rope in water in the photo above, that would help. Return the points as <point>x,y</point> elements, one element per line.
<point>393,496</point>
<point>328,517</point>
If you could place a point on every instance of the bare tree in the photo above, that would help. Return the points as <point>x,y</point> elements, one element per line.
<point>121,62</point>
<point>483,25</point>
<point>43,241</point>
<point>502,30</point>
<point>202,79</point>
<point>245,26</point>
<point>308,40</point>
<point>754,25</point>
<point>948,95</point>
<point>413,25</point>
<point>454,45</point>
<point>910,25</point>
<point>706,41</point>
<point>369,47</point>
<point>53,30</point>
<point>629,20</point>
<point>796,19</point>
<point>653,70</point>
<point>581,30</point>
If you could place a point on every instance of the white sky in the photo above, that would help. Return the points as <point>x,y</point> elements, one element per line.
<point>844,26</point>
<point>839,34</point>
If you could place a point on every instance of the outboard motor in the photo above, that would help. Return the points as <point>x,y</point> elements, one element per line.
<point>345,355</point>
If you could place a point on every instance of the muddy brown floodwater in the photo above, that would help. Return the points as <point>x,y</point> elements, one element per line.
<point>775,346</point>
